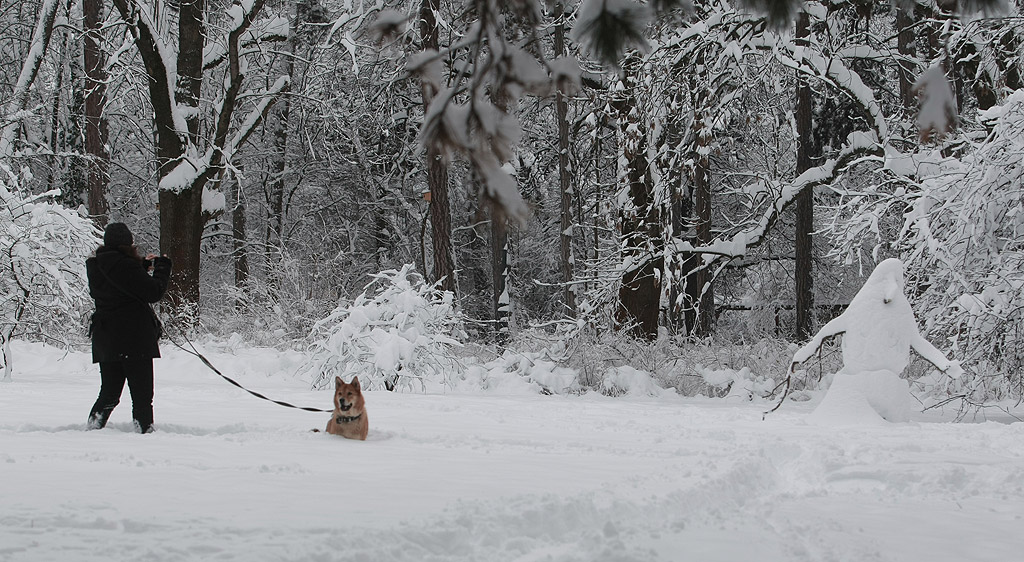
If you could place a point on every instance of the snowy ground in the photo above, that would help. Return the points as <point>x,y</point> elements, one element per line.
<point>483,477</point>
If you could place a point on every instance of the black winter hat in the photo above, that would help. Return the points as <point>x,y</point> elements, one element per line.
<point>117,235</point>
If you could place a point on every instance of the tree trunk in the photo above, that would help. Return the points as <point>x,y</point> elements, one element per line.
<point>805,201</point>
<point>279,161</point>
<point>501,301</point>
<point>564,182</point>
<point>191,40</point>
<point>96,132</point>
<point>239,248</point>
<point>437,169</point>
<point>181,219</point>
<point>181,212</point>
<point>181,231</point>
<point>680,211</point>
<point>640,289</point>
<point>78,170</point>
<point>275,206</point>
<point>700,314</point>
<point>18,98</point>
<point>905,45</point>
<point>55,103</point>
<point>441,222</point>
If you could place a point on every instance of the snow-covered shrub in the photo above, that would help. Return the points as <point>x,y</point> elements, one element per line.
<point>399,332</point>
<point>957,221</point>
<point>613,364</point>
<point>626,380</point>
<point>732,383</point>
<point>277,315</point>
<point>43,247</point>
<point>522,371</point>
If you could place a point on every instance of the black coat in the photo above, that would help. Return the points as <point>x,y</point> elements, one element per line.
<point>123,326</point>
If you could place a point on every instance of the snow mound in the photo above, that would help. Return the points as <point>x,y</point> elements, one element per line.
<point>626,380</point>
<point>867,398</point>
<point>742,383</point>
<point>519,373</point>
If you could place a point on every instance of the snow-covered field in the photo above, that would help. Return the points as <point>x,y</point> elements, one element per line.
<point>484,477</point>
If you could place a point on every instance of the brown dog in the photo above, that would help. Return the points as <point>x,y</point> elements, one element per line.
<point>349,417</point>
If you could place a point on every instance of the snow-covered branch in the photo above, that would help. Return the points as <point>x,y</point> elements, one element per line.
<point>29,70</point>
<point>957,222</point>
<point>782,196</point>
<point>255,116</point>
<point>43,247</point>
<point>192,170</point>
<point>160,68</point>
<point>834,71</point>
<point>264,31</point>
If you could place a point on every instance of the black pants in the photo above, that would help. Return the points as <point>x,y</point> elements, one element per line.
<point>113,374</point>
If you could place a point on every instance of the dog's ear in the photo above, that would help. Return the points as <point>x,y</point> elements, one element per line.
<point>355,383</point>
<point>337,381</point>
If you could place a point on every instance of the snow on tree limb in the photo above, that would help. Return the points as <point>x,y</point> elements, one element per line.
<point>158,59</point>
<point>266,30</point>
<point>29,70</point>
<point>193,169</point>
<point>256,116</point>
<point>833,70</point>
<point>957,222</point>
<point>190,169</point>
<point>42,270</point>
<point>858,145</point>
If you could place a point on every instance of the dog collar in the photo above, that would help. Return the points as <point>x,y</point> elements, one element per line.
<point>346,419</point>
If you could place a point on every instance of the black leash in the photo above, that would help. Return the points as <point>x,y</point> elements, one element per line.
<point>201,357</point>
<point>206,362</point>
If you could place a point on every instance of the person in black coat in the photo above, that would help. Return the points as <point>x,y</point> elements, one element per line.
<point>124,328</point>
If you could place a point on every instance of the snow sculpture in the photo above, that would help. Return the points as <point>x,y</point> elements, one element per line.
<point>879,330</point>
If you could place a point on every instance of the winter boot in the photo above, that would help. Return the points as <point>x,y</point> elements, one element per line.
<point>143,427</point>
<point>98,419</point>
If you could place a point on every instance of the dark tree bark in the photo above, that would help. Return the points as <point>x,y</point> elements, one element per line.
<point>181,219</point>
<point>181,233</point>
<point>239,247</point>
<point>96,132</point>
<point>279,125</point>
<point>907,49</point>
<point>55,105</point>
<point>191,40</point>
<point>564,181</point>
<point>441,222</point>
<point>640,290</point>
<point>180,212</point>
<point>501,300</point>
<point>805,201</point>
<point>700,312</point>
<point>77,176</point>
<point>437,168</point>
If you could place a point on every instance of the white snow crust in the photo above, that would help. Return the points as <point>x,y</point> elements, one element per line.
<point>482,477</point>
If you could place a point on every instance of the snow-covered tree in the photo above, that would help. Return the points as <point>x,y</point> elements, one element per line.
<point>398,333</point>
<point>43,247</point>
<point>958,223</point>
<point>194,139</point>
<point>16,106</point>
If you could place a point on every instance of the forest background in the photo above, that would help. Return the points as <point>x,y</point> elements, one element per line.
<point>678,188</point>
